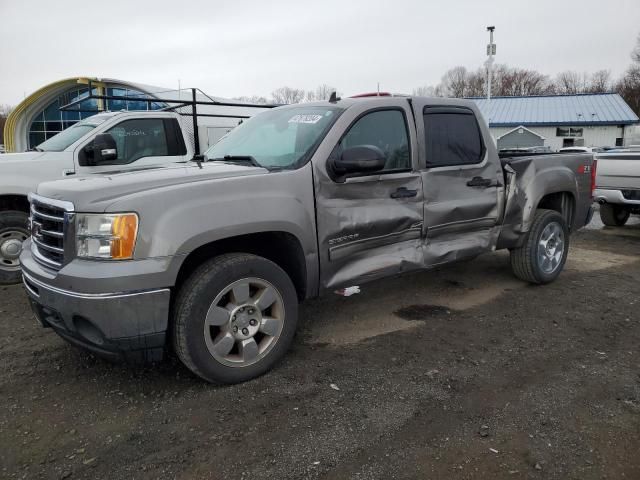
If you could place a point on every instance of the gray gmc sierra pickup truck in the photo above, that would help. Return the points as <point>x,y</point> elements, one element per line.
<point>211,257</point>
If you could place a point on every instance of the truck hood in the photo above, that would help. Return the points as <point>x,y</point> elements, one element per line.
<point>96,192</point>
<point>8,158</point>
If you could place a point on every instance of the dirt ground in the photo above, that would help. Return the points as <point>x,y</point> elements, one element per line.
<point>458,373</point>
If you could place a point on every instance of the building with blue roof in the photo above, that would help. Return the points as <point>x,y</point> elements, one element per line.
<point>557,121</point>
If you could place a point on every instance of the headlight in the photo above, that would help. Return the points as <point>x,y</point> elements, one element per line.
<point>109,236</point>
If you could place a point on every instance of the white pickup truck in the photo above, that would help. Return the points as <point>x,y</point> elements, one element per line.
<point>141,139</point>
<point>618,186</point>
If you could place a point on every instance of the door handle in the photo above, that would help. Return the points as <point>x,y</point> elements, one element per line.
<point>403,192</point>
<point>480,182</point>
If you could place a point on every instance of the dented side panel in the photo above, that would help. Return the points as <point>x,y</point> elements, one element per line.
<point>532,179</point>
<point>363,233</point>
<point>461,221</point>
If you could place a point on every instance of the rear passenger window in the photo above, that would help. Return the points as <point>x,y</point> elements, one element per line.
<point>452,138</point>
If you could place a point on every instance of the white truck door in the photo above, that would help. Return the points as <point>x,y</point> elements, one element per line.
<point>139,142</point>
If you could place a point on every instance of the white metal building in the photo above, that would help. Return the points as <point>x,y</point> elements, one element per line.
<point>557,121</point>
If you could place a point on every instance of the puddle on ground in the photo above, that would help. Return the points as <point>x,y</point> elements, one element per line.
<point>422,312</point>
<point>406,302</point>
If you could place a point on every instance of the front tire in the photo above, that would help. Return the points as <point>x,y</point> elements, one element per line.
<point>14,229</point>
<point>234,318</point>
<point>544,253</point>
<point>613,215</point>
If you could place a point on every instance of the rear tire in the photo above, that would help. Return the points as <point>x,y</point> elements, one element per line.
<point>614,215</point>
<point>234,318</point>
<point>14,229</point>
<point>544,252</point>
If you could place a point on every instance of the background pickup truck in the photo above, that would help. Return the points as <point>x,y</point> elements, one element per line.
<point>141,139</point>
<point>297,201</point>
<point>618,186</point>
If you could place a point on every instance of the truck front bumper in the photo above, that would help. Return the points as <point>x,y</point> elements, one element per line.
<point>128,325</point>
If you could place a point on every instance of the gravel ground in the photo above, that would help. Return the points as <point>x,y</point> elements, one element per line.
<point>462,372</point>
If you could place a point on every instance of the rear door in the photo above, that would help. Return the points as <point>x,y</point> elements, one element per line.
<point>462,181</point>
<point>370,226</point>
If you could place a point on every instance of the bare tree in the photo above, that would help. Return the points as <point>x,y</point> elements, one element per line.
<point>454,82</point>
<point>599,82</point>
<point>507,81</point>
<point>4,113</point>
<point>635,53</point>
<point>524,82</point>
<point>252,99</point>
<point>629,87</point>
<point>477,83</point>
<point>571,82</point>
<point>427,91</point>
<point>321,92</point>
<point>286,95</point>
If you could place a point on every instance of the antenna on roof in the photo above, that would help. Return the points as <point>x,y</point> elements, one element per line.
<point>333,98</point>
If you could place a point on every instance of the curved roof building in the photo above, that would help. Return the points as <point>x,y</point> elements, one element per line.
<point>38,117</point>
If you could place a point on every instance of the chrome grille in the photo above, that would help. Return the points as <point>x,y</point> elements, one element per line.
<point>48,220</point>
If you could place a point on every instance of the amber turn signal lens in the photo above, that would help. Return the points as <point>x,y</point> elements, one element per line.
<point>124,231</point>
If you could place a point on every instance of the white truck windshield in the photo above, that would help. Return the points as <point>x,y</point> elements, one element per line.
<point>67,137</point>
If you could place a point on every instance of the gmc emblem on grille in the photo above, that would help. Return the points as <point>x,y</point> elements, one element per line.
<point>36,230</point>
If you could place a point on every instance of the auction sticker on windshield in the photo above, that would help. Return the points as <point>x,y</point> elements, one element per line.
<point>301,118</point>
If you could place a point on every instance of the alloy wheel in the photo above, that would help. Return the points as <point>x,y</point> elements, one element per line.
<point>551,247</point>
<point>244,322</point>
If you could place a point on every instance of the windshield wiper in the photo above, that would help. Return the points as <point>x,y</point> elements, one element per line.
<point>239,158</point>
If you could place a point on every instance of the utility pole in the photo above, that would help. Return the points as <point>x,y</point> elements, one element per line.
<point>491,51</point>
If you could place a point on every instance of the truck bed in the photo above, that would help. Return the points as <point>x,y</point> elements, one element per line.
<point>525,177</point>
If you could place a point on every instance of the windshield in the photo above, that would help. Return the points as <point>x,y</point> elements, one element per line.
<point>278,138</point>
<point>67,137</point>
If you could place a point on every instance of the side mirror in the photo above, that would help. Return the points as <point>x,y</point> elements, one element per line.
<point>104,148</point>
<point>359,159</point>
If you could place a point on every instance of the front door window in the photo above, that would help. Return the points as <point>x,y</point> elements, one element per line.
<point>385,129</point>
<point>139,138</point>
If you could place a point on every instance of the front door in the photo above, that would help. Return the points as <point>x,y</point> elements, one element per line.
<point>370,225</point>
<point>462,181</point>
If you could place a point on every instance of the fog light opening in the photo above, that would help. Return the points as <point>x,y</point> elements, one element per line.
<point>88,331</point>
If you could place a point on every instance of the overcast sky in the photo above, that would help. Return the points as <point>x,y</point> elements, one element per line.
<point>244,47</point>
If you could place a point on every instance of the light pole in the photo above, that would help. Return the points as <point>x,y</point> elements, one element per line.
<point>491,51</point>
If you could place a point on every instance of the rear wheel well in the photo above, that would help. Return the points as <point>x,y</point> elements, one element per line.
<point>562,202</point>
<point>282,248</point>
<point>14,202</point>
